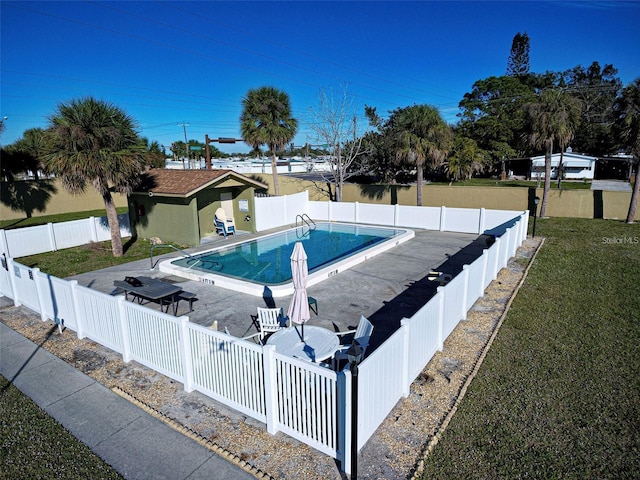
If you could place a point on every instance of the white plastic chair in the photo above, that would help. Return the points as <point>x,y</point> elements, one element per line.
<point>362,335</point>
<point>271,320</point>
<point>223,224</point>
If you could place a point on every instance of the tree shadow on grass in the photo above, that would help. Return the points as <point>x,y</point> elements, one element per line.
<point>129,243</point>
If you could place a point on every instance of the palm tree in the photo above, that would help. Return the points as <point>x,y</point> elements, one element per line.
<point>266,120</point>
<point>94,142</point>
<point>30,149</point>
<point>156,157</point>
<point>465,159</point>
<point>553,119</point>
<point>420,134</point>
<point>627,132</point>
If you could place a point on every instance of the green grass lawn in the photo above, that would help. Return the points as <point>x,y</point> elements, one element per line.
<point>34,445</point>
<point>94,256</point>
<point>558,395</point>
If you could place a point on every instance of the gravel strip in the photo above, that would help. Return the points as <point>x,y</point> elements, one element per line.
<point>394,451</point>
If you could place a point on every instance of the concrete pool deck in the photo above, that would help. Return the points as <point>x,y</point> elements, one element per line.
<point>385,288</point>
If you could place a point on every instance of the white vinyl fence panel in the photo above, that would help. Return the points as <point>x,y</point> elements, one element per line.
<point>318,211</point>
<point>154,340</point>
<point>67,234</point>
<point>425,334</point>
<point>465,220</point>
<point>343,212</point>
<point>21,242</point>
<point>475,284</point>
<point>427,218</point>
<point>273,212</point>
<point>29,240</point>
<point>307,402</point>
<point>24,280</point>
<point>453,304</point>
<point>229,370</point>
<point>384,215</point>
<point>100,316</point>
<point>382,376</point>
<point>57,300</point>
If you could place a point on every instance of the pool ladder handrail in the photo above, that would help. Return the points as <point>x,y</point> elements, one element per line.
<point>172,246</point>
<point>301,221</point>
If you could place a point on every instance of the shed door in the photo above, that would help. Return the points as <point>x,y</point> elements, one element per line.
<point>226,202</point>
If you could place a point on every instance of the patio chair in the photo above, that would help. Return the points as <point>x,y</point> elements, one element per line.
<point>362,335</point>
<point>223,225</point>
<point>248,337</point>
<point>271,320</point>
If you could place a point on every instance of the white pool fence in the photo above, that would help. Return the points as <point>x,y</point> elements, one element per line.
<point>306,401</point>
<point>21,242</point>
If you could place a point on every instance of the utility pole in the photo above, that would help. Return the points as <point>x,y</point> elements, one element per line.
<point>208,140</point>
<point>186,142</point>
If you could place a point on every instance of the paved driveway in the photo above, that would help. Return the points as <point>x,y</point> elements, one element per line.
<point>611,185</point>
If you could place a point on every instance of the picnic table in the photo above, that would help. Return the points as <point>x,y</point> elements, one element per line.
<point>152,289</point>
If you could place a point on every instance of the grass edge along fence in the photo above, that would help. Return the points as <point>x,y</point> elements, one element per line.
<point>306,401</point>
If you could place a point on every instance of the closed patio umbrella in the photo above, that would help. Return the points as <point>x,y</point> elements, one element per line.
<point>299,307</point>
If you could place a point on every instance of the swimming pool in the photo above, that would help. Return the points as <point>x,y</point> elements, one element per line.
<point>252,265</point>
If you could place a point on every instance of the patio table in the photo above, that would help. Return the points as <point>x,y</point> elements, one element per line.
<point>319,343</point>
<point>152,289</point>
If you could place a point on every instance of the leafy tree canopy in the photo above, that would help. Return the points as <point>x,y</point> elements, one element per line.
<point>266,119</point>
<point>492,115</point>
<point>597,89</point>
<point>93,142</point>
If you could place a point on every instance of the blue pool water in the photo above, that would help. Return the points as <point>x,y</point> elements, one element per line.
<point>266,260</point>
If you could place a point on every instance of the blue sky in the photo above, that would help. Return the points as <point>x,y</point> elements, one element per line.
<point>168,63</point>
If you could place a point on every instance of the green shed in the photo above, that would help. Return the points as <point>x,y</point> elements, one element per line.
<point>178,205</point>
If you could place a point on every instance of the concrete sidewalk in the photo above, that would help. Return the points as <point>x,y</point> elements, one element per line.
<point>132,441</point>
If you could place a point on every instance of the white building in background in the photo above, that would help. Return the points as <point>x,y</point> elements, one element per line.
<point>257,165</point>
<point>575,166</point>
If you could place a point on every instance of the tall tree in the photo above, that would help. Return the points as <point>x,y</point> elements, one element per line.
<point>518,61</point>
<point>492,114</point>
<point>627,131</point>
<point>553,119</point>
<point>156,156</point>
<point>94,142</point>
<point>597,88</point>
<point>266,120</point>
<point>336,126</point>
<point>465,159</point>
<point>421,136</point>
<point>379,150</point>
<point>30,150</point>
